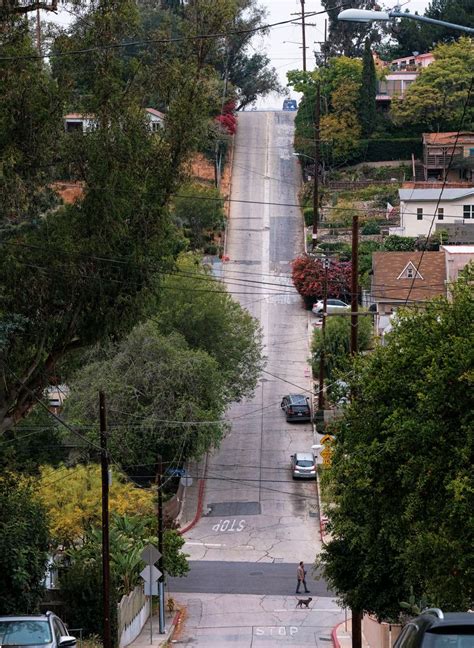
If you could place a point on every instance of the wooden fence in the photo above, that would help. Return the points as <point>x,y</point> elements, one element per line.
<point>132,613</point>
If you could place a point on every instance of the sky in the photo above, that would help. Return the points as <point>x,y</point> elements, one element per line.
<point>283,44</point>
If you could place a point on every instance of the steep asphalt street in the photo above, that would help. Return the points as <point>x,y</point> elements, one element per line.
<point>254,514</point>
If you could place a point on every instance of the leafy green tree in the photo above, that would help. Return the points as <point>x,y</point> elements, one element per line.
<point>199,308</point>
<point>336,344</point>
<point>38,440</point>
<point>368,90</point>
<point>23,546</point>
<point>401,473</point>
<point>200,210</point>
<point>340,83</point>
<point>30,128</point>
<point>411,36</point>
<point>345,38</point>
<point>163,397</point>
<point>438,99</point>
<point>245,75</point>
<point>82,273</point>
<point>253,77</point>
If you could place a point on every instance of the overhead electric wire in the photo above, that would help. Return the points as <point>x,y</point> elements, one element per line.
<point>162,41</point>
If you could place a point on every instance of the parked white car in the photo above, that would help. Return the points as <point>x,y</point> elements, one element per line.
<point>334,306</point>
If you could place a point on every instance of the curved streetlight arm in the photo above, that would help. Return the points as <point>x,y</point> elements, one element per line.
<point>363,15</point>
<point>432,21</point>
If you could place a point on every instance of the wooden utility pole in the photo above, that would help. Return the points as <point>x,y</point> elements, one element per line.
<point>161,580</point>
<point>303,37</point>
<point>356,629</point>
<point>38,31</point>
<point>325,41</point>
<point>354,284</point>
<point>104,462</point>
<point>317,119</point>
<point>326,263</point>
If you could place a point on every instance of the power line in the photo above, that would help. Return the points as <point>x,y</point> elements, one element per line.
<point>158,41</point>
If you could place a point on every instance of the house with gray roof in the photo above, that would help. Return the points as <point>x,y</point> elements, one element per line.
<point>426,207</point>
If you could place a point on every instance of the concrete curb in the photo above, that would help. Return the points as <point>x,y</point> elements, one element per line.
<point>335,640</point>
<point>202,486</point>
<point>230,194</point>
<point>174,626</point>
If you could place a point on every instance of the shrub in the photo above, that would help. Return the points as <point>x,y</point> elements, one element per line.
<point>394,243</point>
<point>337,343</point>
<point>308,276</point>
<point>308,214</point>
<point>23,546</point>
<point>371,227</point>
<point>338,246</point>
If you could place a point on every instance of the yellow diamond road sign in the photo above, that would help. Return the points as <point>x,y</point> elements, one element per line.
<point>326,455</point>
<point>327,438</point>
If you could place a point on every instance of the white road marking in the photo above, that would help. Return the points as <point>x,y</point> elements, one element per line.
<point>309,610</point>
<point>205,544</point>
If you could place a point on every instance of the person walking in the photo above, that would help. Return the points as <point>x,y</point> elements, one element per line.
<point>301,576</point>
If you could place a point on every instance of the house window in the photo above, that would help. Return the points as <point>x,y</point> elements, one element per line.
<point>410,272</point>
<point>471,152</point>
<point>468,211</point>
<point>73,126</point>
<point>419,213</point>
<point>441,213</point>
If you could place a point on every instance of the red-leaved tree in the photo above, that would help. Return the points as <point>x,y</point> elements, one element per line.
<point>308,277</point>
<point>228,119</point>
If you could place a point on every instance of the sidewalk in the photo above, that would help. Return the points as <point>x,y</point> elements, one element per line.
<point>144,640</point>
<point>188,516</point>
<point>342,636</point>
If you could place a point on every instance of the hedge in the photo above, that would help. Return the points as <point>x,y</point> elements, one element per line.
<point>378,150</point>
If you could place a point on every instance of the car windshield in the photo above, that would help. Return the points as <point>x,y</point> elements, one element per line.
<point>455,640</point>
<point>298,400</point>
<point>304,463</point>
<point>24,633</point>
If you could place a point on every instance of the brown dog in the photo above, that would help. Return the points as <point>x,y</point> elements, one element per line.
<point>304,602</point>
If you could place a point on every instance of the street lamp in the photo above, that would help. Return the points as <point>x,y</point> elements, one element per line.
<point>368,15</point>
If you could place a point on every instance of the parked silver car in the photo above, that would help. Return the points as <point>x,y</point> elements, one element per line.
<point>303,465</point>
<point>334,306</point>
<point>35,631</point>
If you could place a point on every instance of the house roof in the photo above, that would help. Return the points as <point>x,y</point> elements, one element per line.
<point>458,249</point>
<point>448,137</point>
<point>388,266</point>
<point>155,113</point>
<point>416,57</point>
<point>420,195</point>
<point>77,116</point>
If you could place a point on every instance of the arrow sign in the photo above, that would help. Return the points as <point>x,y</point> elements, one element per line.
<point>150,554</point>
<point>150,574</point>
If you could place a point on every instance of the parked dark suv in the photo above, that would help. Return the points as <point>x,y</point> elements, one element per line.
<point>433,629</point>
<point>296,407</point>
